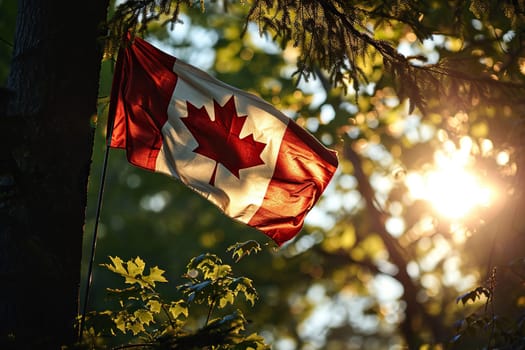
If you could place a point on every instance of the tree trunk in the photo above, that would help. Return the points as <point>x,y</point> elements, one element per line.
<point>45,152</point>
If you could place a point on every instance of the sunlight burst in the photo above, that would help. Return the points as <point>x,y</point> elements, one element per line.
<point>455,192</point>
<point>450,186</point>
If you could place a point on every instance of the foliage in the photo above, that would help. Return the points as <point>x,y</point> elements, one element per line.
<point>485,328</point>
<point>154,322</point>
<point>240,250</point>
<point>335,36</point>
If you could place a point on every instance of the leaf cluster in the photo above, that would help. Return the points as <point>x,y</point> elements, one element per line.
<point>211,282</point>
<point>496,332</point>
<point>485,328</point>
<point>150,321</point>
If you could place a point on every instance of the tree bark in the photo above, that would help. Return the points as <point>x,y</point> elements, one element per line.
<point>417,319</point>
<point>46,140</point>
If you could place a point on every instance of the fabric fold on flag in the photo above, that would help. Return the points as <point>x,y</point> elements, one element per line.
<point>235,149</point>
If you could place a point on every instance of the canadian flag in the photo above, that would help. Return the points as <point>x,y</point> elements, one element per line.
<point>257,165</point>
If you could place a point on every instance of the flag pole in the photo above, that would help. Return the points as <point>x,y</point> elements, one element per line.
<point>117,75</point>
<point>94,239</point>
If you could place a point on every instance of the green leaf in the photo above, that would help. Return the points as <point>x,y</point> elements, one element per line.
<point>120,322</point>
<point>117,266</point>
<point>221,271</point>
<point>145,316</point>
<point>473,295</point>
<point>242,249</point>
<point>226,299</point>
<point>178,308</point>
<point>136,267</point>
<point>132,271</point>
<point>245,286</point>
<point>254,341</point>
<point>136,327</point>
<point>154,306</point>
<point>133,280</point>
<point>212,267</point>
<point>155,275</point>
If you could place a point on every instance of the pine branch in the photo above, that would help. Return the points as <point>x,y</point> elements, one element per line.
<point>134,16</point>
<point>333,36</point>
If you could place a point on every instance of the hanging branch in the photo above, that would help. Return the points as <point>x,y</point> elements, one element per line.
<point>133,16</point>
<point>334,36</point>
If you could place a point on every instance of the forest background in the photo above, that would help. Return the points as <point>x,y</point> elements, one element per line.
<point>423,101</point>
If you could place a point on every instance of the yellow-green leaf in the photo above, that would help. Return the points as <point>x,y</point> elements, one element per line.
<point>256,342</point>
<point>240,250</point>
<point>245,286</point>
<point>226,299</point>
<point>117,266</point>
<point>136,267</point>
<point>132,280</point>
<point>224,270</point>
<point>178,308</point>
<point>154,306</point>
<point>155,275</point>
<point>136,327</point>
<point>120,322</point>
<point>214,271</point>
<point>250,297</point>
<point>145,316</point>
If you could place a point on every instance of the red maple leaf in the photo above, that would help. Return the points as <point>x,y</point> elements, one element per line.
<point>219,139</point>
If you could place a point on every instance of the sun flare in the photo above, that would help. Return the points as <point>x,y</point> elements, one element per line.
<point>455,192</point>
<point>451,186</point>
